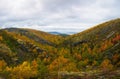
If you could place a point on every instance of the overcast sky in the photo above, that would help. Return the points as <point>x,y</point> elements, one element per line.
<point>57,15</point>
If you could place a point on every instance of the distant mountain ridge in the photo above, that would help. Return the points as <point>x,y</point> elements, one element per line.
<point>56,33</point>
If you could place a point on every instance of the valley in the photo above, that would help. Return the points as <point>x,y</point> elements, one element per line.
<point>33,54</point>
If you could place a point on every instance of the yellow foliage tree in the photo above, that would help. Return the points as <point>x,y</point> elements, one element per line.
<point>22,71</point>
<point>2,65</point>
<point>62,64</point>
<point>1,38</point>
<point>106,65</point>
<point>34,67</point>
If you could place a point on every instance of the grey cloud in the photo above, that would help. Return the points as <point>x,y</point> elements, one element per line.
<point>57,13</point>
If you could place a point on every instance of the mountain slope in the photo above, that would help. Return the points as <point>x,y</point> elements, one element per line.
<point>38,36</point>
<point>25,44</point>
<point>100,32</point>
<point>98,43</point>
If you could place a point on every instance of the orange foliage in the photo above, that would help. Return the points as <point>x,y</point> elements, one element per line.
<point>103,47</point>
<point>106,65</point>
<point>62,64</point>
<point>2,65</point>
<point>57,62</point>
<point>115,57</point>
<point>1,38</point>
<point>78,56</point>
<point>116,39</point>
<point>106,45</point>
<point>34,64</point>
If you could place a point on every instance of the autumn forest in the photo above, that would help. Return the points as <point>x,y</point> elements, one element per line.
<point>33,54</point>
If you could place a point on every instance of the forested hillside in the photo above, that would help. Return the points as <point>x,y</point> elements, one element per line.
<point>32,54</point>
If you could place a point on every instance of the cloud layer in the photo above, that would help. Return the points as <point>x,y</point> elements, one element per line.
<point>57,15</point>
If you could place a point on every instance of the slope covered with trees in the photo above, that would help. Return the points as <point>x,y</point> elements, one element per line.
<point>32,54</point>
